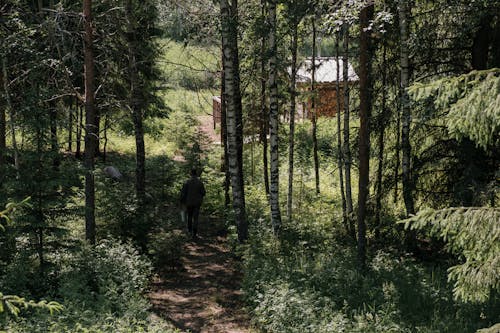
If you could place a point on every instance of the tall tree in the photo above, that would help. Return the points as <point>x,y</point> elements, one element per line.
<point>313,106</point>
<point>263,105</point>
<point>223,133</point>
<point>380,156</point>
<point>136,104</point>
<point>273,120</point>
<point>229,21</point>
<point>405,109</point>
<point>293,79</point>
<point>347,135</point>
<point>11,112</point>
<point>3,126</point>
<point>365,58</point>
<point>339,140</point>
<point>90,123</point>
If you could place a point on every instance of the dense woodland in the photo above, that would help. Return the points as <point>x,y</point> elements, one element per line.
<point>381,218</point>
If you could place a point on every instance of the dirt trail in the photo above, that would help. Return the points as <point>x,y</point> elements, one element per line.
<point>203,295</point>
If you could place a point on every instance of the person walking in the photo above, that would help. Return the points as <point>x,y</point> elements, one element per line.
<point>192,194</point>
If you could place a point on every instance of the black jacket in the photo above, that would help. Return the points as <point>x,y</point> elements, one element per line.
<point>192,192</point>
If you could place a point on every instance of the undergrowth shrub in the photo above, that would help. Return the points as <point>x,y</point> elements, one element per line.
<point>111,276</point>
<point>102,289</point>
<point>165,248</point>
<point>304,282</point>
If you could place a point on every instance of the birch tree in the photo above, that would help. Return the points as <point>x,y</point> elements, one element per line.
<point>339,139</point>
<point>347,135</point>
<point>313,105</point>
<point>273,120</point>
<point>229,20</point>
<point>263,105</point>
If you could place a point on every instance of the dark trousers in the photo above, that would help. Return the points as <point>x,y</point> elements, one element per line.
<point>192,218</point>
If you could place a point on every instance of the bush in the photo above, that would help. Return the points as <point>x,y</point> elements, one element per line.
<point>302,282</point>
<point>165,247</point>
<point>111,276</point>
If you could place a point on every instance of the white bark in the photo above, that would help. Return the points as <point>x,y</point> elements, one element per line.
<point>273,121</point>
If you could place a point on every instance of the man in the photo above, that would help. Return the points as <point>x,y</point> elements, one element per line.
<point>192,194</point>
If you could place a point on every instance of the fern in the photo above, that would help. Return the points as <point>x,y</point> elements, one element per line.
<point>474,234</point>
<point>470,102</point>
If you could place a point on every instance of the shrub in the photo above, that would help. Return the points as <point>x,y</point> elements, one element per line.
<point>165,247</point>
<point>109,277</point>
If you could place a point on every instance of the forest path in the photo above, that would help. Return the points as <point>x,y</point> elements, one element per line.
<point>203,295</point>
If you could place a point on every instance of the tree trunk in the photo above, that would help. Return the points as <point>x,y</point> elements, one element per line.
<point>481,43</point>
<point>54,146</point>
<point>79,126</point>
<point>135,106</point>
<point>397,152</point>
<point>3,127</point>
<point>381,128</point>
<point>90,124</point>
<point>495,42</point>
<point>291,138</point>
<point>313,108</point>
<point>229,19</point>
<point>264,114</point>
<point>365,105</point>
<point>98,132</point>
<point>12,120</point>
<point>223,132</point>
<point>339,142</point>
<point>105,137</point>
<point>405,108</point>
<point>70,128</point>
<point>347,145</point>
<point>273,121</point>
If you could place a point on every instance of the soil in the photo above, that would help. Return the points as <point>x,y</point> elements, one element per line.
<point>203,294</point>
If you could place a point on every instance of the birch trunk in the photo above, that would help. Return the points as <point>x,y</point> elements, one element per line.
<point>347,146</point>
<point>90,124</point>
<point>263,107</point>
<point>313,109</point>
<point>273,121</point>
<point>339,142</point>
<point>229,19</point>
<point>365,106</point>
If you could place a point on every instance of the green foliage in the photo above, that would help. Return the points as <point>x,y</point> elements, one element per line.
<point>165,246</point>
<point>470,104</point>
<point>13,304</point>
<point>110,276</point>
<point>306,281</point>
<point>102,288</point>
<point>474,234</point>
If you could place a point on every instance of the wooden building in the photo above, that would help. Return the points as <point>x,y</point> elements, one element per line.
<point>325,86</point>
<point>216,110</point>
